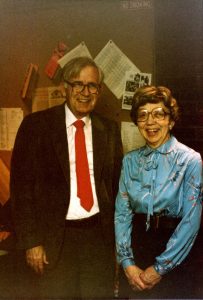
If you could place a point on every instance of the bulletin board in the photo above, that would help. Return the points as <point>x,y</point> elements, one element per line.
<point>30,30</point>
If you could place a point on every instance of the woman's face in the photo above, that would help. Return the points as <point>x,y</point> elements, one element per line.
<point>154,123</point>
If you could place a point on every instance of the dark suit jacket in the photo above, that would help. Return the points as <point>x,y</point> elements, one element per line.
<point>6,225</point>
<point>40,177</point>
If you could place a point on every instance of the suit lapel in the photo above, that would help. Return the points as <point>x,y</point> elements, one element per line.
<point>99,135</point>
<point>57,131</point>
<point>58,134</point>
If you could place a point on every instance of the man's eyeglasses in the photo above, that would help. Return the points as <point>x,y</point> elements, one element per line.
<point>157,114</point>
<point>79,86</point>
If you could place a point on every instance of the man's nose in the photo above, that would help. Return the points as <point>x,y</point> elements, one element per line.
<point>86,90</point>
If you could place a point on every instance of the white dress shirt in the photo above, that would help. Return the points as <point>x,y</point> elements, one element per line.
<point>75,210</point>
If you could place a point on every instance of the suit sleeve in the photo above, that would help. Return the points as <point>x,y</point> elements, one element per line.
<point>117,160</point>
<point>22,185</point>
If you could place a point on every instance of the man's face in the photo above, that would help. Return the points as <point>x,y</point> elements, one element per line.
<point>81,103</point>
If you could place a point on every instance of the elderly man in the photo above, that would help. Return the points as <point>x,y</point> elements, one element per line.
<point>64,179</point>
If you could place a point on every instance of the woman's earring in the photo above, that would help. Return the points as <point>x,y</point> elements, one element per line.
<point>170,127</point>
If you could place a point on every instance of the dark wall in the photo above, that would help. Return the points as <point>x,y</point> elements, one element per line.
<point>179,62</point>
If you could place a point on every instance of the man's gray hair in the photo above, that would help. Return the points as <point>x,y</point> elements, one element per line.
<point>73,68</point>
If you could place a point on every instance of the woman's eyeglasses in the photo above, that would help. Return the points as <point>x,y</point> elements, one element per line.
<point>79,86</point>
<point>157,114</point>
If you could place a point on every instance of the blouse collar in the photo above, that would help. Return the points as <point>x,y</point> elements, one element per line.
<point>163,149</point>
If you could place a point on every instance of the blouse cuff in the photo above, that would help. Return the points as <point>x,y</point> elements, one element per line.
<point>159,269</point>
<point>127,262</point>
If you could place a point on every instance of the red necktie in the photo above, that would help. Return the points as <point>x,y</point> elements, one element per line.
<point>84,188</point>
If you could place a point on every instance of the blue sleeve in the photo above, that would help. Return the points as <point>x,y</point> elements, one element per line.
<point>182,240</point>
<point>123,223</point>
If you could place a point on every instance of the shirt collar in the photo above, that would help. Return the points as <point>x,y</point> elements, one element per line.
<point>70,118</point>
<point>163,149</point>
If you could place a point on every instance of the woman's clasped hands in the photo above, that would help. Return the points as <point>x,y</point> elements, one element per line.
<point>142,279</point>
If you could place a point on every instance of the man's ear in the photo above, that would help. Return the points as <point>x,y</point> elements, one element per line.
<point>100,90</point>
<point>65,85</point>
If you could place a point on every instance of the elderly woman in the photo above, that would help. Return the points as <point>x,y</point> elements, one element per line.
<point>158,206</point>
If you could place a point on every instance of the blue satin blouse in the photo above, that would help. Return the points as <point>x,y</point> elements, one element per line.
<point>167,179</point>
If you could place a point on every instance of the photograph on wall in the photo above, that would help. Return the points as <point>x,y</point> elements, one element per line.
<point>132,82</point>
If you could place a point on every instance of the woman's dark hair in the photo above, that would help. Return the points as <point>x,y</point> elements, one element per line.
<point>153,94</point>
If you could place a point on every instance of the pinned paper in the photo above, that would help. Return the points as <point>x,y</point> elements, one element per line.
<point>114,63</point>
<point>10,120</point>
<point>80,50</point>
